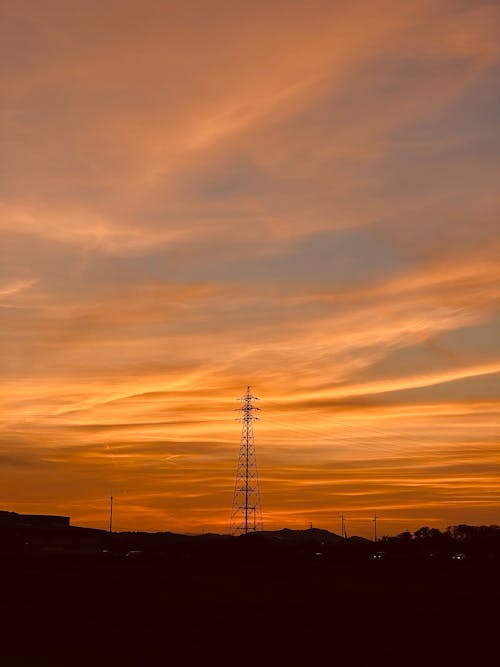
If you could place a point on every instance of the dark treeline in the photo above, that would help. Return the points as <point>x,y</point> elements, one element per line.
<point>471,541</point>
<point>33,535</point>
<point>459,542</point>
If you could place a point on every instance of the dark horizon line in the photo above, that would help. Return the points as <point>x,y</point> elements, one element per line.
<point>12,514</point>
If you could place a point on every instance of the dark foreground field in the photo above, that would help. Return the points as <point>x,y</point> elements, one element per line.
<point>236,611</point>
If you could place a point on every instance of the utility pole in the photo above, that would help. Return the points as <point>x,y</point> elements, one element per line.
<point>375,527</point>
<point>110,515</point>
<point>343,528</point>
<point>246,496</point>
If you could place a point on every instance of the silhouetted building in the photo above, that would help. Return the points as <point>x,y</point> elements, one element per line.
<point>43,533</point>
<point>33,520</point>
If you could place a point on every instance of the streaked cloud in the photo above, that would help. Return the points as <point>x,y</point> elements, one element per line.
<point>300,196</point>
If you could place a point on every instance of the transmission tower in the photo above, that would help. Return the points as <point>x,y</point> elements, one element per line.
<point>246,512</point>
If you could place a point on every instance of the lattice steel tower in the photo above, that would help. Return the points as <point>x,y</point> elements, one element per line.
<point>246,512</point>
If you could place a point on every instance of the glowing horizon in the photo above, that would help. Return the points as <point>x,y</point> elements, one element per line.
<point>298,196</point>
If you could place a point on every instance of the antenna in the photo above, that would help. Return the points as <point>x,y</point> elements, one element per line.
<point>246,512</point>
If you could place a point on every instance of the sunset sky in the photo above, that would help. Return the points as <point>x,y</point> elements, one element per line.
<point>298,195</point>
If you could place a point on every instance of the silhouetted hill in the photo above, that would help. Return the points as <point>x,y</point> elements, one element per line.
<point>285,537</point>
<point>356,539</point>
<point>41,534</point>
<point>308,535</point>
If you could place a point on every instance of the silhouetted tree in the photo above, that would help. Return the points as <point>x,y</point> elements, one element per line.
<point>429,534</point>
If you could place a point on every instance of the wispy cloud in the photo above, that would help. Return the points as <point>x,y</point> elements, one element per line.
<point>15,287</point>
<point>197,196</point>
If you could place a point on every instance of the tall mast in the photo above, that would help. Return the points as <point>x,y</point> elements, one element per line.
<point>246,512</point>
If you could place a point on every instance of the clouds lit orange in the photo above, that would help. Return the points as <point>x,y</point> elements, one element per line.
<point>199,196</point>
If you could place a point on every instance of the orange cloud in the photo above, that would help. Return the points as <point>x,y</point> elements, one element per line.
<point>197,196</point>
